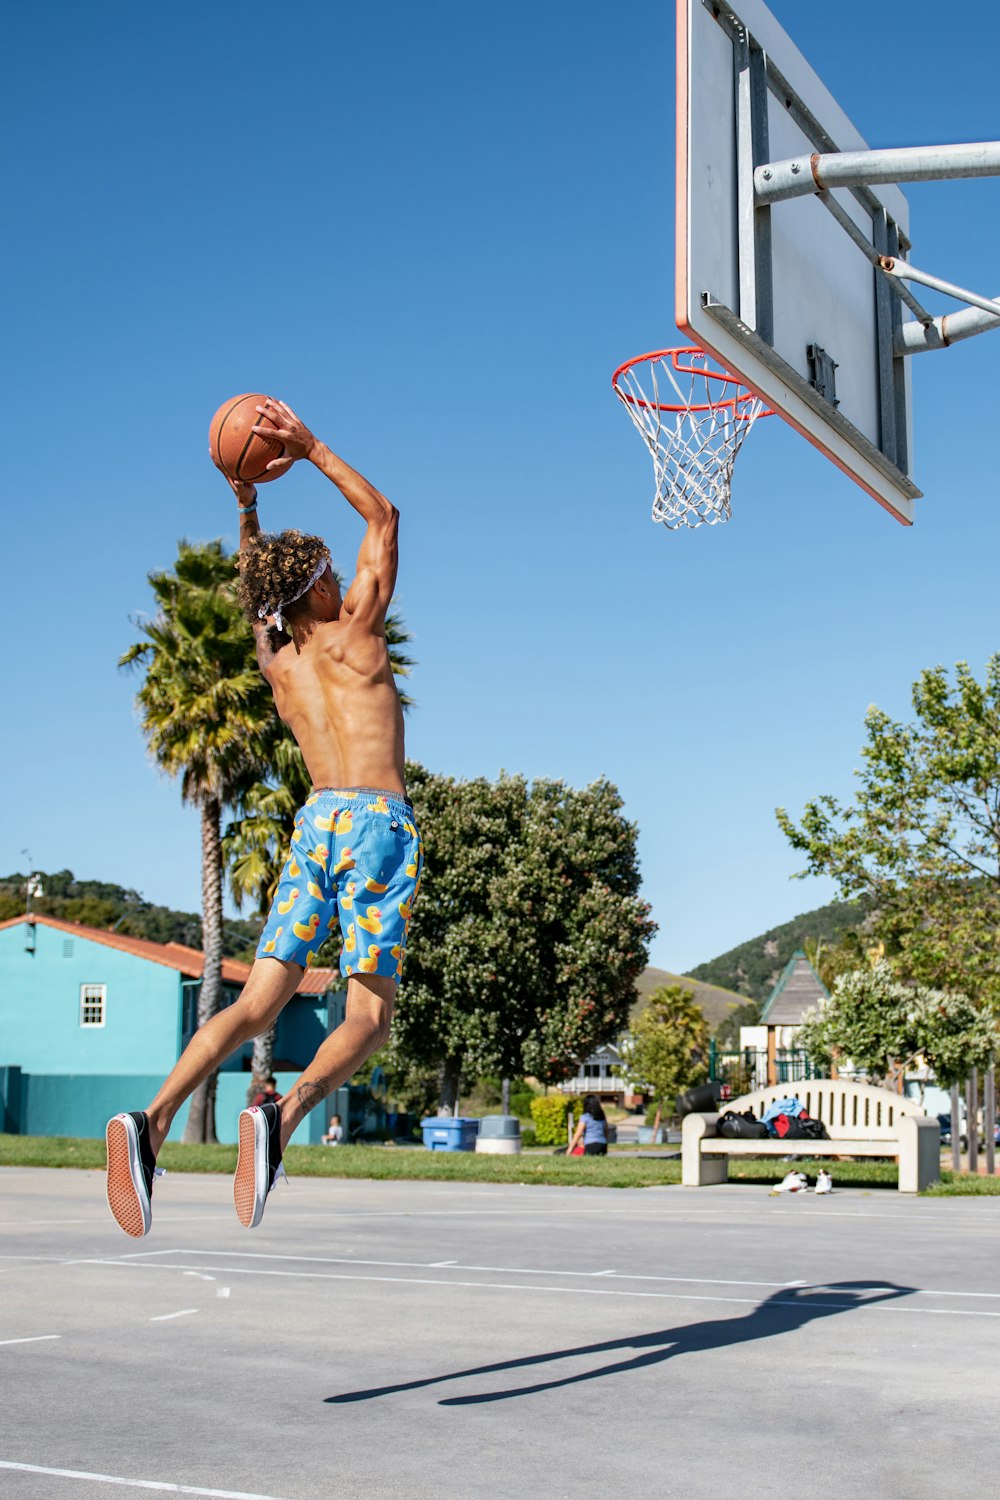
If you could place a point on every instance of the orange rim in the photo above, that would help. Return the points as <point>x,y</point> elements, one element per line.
<point>675,356</point>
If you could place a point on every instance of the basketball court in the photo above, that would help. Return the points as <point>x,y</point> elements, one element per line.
<point>427,1340</point>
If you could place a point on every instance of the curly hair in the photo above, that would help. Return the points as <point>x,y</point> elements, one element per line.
<point>274,567</point>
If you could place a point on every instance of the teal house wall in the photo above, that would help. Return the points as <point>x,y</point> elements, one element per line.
<point>40,990</point>
<point>61,1077</point>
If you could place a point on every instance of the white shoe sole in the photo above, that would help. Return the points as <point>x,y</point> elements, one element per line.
<point>251,1169</point>
<point>128,1199</point>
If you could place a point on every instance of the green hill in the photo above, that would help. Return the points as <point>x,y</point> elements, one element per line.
<point>752,969</point>
<point>716,1003</point>
<point>100,903</point>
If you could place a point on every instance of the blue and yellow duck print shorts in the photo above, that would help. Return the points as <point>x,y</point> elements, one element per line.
<point>356,858</point>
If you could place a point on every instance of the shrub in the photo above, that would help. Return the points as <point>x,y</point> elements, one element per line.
<point>550,1112</point>
<point>521,1100</point>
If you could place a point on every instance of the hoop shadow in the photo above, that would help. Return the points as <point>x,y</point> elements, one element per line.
<point>783,1312</point>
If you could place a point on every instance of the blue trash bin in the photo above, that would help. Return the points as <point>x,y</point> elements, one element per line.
<point>449,1133</point>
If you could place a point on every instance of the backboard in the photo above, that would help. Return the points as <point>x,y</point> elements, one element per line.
<point>779,294</point>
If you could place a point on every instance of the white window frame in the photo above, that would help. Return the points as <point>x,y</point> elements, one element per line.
<point>89,995</point>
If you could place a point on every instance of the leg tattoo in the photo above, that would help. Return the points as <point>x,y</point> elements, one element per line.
<point>310,1093</point>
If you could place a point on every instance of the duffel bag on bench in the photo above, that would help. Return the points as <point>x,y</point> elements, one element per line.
<point>799,1128</point>
<point>744,1127</point>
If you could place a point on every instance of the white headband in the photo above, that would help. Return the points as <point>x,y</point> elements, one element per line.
<point>277,610</point>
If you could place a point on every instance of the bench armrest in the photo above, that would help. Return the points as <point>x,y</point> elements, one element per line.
<point>694,1127</point>
<point>698,1168</point>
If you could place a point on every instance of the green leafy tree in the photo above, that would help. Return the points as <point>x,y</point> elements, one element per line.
<point>207,716</point>
<point>668,1050</point>
<point>830,960</point>
<point>883,1027</point>
<point>529,932</point>
<point>920,846</point>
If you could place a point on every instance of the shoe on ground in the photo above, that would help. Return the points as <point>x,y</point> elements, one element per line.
<point>792,1182</point>
<point>824,1183</point>
<point>131,1169</point>
<point>258,1163</point>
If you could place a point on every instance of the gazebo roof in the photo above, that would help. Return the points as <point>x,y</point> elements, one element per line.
<point>799,989</point>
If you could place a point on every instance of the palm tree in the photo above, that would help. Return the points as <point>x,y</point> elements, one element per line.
<point>207,717</point>
<point>256,840</point>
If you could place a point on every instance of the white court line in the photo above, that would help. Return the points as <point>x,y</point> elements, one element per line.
<point>455,1265</point>
<point>582,1291</point>
<point>135,1254</point>
<point>185,1312</point>
<point>38,1338</point>
<point>136,1484</point>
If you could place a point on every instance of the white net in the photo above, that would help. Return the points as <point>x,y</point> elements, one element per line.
<point>693,419</point>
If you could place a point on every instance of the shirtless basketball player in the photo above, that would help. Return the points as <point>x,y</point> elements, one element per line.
<point>355,854</point>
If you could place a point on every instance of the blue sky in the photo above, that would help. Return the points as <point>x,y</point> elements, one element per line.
<point>436,231</point>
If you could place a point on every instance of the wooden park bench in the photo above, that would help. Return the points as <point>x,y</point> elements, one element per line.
<point>860,1120</point>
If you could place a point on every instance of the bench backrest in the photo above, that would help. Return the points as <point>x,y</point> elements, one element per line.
<point>850,1111</point>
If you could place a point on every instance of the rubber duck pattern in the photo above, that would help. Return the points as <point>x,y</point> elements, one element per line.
<point>347,843</point>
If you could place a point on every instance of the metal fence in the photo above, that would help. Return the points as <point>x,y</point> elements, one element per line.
<point>746,1070</point>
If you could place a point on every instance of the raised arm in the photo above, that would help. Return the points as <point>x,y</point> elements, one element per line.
<point>246,504</point>
<point>378,556</point>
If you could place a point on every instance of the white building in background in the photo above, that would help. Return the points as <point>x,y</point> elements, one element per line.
<point>596,1075</point>
<point>606,1073</point>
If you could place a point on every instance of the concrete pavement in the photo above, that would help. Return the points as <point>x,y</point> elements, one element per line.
<point>434,1341</point>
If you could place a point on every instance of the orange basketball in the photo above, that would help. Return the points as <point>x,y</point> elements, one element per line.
<point>235,448</point>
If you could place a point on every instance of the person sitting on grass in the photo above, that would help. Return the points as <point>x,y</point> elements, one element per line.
<point>592,1129</point>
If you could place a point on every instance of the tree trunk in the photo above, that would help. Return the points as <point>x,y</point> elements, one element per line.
<point>972,1120</point>
<point>263,1062</point>
<point>990,1118</point>
<point>451,1078</point>
<point>200,1127</point>
<point>956,1131</point>
<point>505,1096</point>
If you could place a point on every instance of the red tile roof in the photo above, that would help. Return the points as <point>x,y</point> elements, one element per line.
<point>187,961</point>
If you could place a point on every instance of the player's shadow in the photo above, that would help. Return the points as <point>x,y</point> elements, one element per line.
<point>783,1312</point>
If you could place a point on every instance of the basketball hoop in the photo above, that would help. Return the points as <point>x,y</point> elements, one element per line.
<point>693,439</point>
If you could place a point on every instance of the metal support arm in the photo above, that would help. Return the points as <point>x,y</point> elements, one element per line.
<point>801,175</point>
<point>906,272</point>
<point>981,316</point>
<point>926,332</point>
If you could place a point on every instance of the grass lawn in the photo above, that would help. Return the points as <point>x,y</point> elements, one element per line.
<point>466,1166</point>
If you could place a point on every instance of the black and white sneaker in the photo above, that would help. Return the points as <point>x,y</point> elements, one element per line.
<point>131,1169</point>
<point>258,1165</point>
